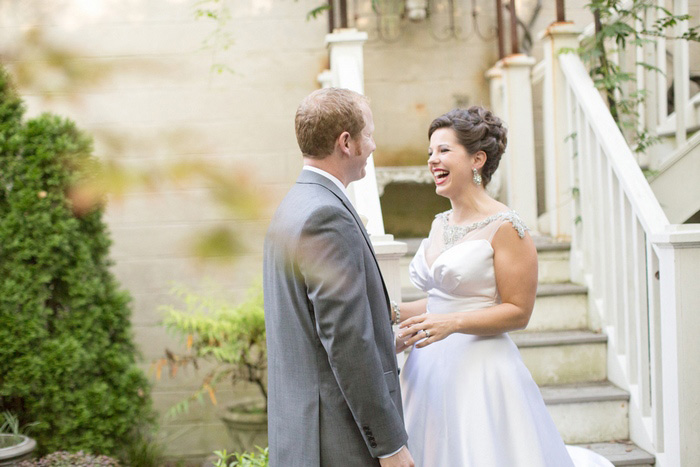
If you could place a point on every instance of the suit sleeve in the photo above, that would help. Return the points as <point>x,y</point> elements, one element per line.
<point>334,274</point>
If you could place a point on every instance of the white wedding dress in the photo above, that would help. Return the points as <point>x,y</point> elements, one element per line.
<point>470,400</point>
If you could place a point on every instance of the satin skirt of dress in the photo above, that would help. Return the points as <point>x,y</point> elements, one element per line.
<point>470,401</point>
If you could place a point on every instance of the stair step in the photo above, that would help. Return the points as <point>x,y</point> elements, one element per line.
<point>588,412</point>
<point>559,307</point>
<point>549,290</point>
<point>551,338</point>
<point>582,393</point>
<point>561,357</point>
<point>553,260</point>
<point>553,266</point>
<point>547,243</point>
<point>622,453</point>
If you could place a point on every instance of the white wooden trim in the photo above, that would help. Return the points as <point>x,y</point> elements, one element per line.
<point>537,75</point>
<point>681,73</point>
<point>642,198</point>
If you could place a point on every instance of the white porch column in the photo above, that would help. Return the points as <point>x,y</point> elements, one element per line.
<point>678,250</point>
<point>520,178</point>
<point>347,71</point>
<point>557,159</point>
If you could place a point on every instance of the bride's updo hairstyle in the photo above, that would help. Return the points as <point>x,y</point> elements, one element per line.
<point>477,130</point>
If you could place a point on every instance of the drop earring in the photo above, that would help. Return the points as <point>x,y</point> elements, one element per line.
<point>477,177</point>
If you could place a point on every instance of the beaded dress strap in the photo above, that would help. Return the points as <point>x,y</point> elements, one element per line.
<point>454,233</point>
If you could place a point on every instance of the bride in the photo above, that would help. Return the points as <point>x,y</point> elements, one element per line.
<point>468,398</point>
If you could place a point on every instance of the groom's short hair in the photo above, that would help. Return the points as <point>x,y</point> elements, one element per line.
<point>323,115</point>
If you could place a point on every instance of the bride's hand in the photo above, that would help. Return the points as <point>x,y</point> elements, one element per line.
<point>424,329</point>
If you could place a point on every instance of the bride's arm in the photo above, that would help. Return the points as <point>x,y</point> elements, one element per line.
<point>411,309</point>
<point>515,265</point>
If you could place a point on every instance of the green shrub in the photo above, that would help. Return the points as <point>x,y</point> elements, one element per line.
<point>67,359</point>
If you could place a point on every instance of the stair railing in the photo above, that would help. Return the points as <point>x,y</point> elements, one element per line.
<point>641,273</point>
<point>668,111</point>
<point>640,270</point>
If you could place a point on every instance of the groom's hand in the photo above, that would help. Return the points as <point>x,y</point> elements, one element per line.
<point>402,458</point>
<point>401,344</point>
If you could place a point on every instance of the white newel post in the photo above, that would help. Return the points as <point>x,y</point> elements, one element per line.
<point>557,159</point>
<point>521,181</point>
<point>347,71</point>
<point>678,250</point>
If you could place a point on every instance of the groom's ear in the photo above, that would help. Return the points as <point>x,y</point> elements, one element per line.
<point>343,143</point>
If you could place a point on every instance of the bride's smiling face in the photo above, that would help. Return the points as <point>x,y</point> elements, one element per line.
<point>449,162</point>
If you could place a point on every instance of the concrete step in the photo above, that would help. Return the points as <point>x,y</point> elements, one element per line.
<point>553,260</point>
<point>561,357</point>
<point>588,412</point>
<point>622,453</point>
<point>558,307</point>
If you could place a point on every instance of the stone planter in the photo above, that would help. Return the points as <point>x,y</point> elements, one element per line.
<point>246,422</point>
<point>15,448</point>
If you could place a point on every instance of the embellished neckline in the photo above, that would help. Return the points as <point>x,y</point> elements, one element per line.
<point>452,234</point>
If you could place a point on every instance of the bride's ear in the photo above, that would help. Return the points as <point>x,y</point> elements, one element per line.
<point>479,160</point>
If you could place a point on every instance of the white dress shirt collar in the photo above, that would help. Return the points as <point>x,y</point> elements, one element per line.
<point>330,177</point>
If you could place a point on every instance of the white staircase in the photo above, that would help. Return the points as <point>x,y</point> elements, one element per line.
<point>682,169</point>
<point>567,356</point>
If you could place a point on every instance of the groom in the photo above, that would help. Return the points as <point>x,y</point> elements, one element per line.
<point>334,397</point>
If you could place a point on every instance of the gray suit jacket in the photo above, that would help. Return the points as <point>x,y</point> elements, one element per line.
<point>334,397</point>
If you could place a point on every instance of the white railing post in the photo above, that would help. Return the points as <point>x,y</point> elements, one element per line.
<point>678,249</point>
<point>520,177</point>
<point>347,71</point>
<point>495,77</point>
<point>557,159</point>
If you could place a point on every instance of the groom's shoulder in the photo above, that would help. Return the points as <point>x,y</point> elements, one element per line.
<point>308,201</point>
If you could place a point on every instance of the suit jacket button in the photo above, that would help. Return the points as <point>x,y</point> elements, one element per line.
<point>373,444</point>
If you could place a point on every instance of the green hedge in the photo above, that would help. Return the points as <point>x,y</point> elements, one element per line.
<point>67,359</point>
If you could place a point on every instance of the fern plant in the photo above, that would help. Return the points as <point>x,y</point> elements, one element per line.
<point>230,336</point>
